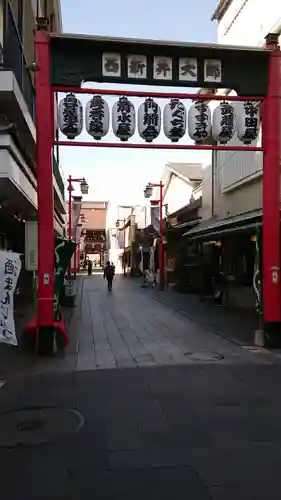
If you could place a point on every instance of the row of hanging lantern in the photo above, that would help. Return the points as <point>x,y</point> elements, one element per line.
<point>243,118</point>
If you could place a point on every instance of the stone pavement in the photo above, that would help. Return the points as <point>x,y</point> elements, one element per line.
<point>237,325</point>
<point>164,409</point>
<point>127,329</point>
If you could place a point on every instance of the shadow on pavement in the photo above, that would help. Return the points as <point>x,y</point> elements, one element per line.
<point>203,432</point>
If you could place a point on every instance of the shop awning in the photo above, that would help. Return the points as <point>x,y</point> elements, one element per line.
<point>186,225</point>
<point>223,225</point>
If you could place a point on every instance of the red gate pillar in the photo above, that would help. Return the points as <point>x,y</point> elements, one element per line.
<point>44,140</point>
<point>44,325</point>
<point>271,297</point>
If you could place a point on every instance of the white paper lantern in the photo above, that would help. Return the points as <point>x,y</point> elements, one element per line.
<point>199,121</point>
<point>97,117</point>
<point>70,116</point>
<point>223,123</point>
<point>174,120</point>
<point>247,117</point>
<point>123,119</point>
<point>149,120</point>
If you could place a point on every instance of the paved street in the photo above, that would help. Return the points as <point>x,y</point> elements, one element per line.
<point>235,325</point>
<point>144,404</point>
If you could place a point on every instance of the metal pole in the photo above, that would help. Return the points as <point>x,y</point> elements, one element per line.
<point>145,216</point>
<point>161,248</point>
<point>69,216</point>
<point>69,207</point>
<point>131,145</point>
<point>156,95</point>
<point>271,296</point>
<point>75,258</point>
<point>124,245</point>
<point>45,194</point>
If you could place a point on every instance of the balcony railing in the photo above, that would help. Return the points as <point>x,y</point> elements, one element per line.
<point>14,60</point>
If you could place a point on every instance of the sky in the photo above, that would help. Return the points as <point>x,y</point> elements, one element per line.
<point>120,175</point>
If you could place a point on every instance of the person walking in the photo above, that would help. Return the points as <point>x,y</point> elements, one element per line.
<point>108,274</point>
<point>90,267</point>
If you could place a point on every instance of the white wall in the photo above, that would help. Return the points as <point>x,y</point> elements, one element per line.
<point>247,22</point>
<point>178,194</point>
<point>235,181</point>
<point>237,175</point>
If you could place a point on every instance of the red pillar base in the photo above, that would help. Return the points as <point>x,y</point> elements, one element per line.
<point>47,339</point>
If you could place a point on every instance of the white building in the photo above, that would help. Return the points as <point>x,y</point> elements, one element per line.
<point>236,176</point>
<point>182,183</point>
<point>246,22</point>
<point>232,181</point>
<point>18,184</point>
<point>18,169</point>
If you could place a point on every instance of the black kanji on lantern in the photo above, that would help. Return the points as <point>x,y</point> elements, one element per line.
<point>124,118</point>
<point>251,109</point>
<point>201,121</point>
<point>151,119</point>
<point>227,121</point>
<point>178,120</point>
<point>96,116</point>
<point>70,114</point>
<point>251,121</point>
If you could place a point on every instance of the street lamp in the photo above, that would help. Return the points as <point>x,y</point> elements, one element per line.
<point>147,194</point>
<point>84,190</point>
<point>148,191</point>
<point>84,187</point>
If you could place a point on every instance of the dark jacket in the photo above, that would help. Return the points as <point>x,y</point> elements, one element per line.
<point>109,272</point>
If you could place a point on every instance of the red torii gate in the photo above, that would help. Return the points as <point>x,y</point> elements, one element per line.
<point>76,58</point>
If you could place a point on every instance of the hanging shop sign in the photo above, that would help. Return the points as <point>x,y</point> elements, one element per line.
<point>77,59</point>
<point>223,123</point>
<point>155,217</point>
<point>174,120</point>
<point>76,210</point>
<point>97,117</point>
<point>257,282</point>
<point>78,233</point>
<point>149,120</point>
<point>64,250</point>
<point>199,121</point>
<point>123,119</point>
<point>247,121</point>
<point>10,267</point>
<point>70,116</point>
<point>31,246</point>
